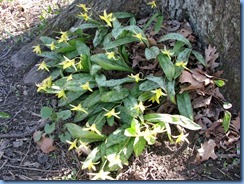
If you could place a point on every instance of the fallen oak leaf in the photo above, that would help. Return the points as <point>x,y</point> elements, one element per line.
<point>45,143</point>
<point>201,102</point>
<point>211,56</point>
<point>207,150</point>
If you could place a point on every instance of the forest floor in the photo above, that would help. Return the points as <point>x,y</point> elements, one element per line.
<point>21,159</point>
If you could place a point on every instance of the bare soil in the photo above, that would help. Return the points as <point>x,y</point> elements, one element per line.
<point>21,159</point>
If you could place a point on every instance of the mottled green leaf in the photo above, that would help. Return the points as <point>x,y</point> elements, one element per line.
<point>167,66</point>
<point>226,121</point>
<point>151,53</point>
<point>184,105</point>
<point>175,36</point>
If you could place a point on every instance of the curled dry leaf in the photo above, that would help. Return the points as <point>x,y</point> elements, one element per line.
<point>187,77</point>
<point>45,143</point>
<point>207,151</point>
<point>185,32</point>
<point>201,102</point>
<point>211,56</point>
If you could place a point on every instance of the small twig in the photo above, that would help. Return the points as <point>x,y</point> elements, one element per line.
<point>26,154</point>
<point>209,177</point>
<point>22,177</point>
<point>3,56</point>
<point>41,125</point>
<point>225,174</point>
<point>3,164</point>
<point>32,169</point>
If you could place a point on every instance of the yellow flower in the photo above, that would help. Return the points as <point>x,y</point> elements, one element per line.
<point>112,113</point>
<point>102,175</point>
<point>78,108</point>
<point>83,6</point>
<point>139,36</point>
<point>86,86</point>
<point>72,144</point>
<point>140,107</point>
<point>167,52</point>
<point>85,16</point>
<point>158,93</point>
<point>43,66</point>
<point>61,94</point>
<point>92,128</point>
<point>68,63</point>
<point>46,83</point>
<point>114,159</point>
<point>64,37</point>
<point>52,46</point>
<point>152,4</point>
<point>89,165</point>
<point>70,77</point>
<point>136,77</point>
<point>181,64</point>
<point>37,49</point>
<point>111,55</point>
<point>108,18</point>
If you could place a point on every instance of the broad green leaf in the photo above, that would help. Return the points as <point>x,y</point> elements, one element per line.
<point>175,36</point>
<point>94,69</point>
<point>49,128</point>
<point>122,15</point>
<point>109,64</point>
<point>92,99</point>
<point>171,91</point>
<point>167,66</point>
<point>115,95</point>
<point>98,119</point>
<point>151,53</point>
<point>119,42</point>
<point>148,86</point>
<point>4,115</point>
<point>145,96</point>
<point>132,21</point>
<point>71,96</point>
<point>99,36</point>
<point>87,136</point>
<point>182,57</point>
<point>47,40</point>
<point>159,80</point>
<point>125,118</point>
<point>199,57</point>
<point>102,82</point>
<point>116,137</point>
<point>51,55</point>
<point>139,145</point>
<point>172,119</point>
<point>178,45</point>
<point>226,121</point>
<point>64,115</point>
<point>150,21</point>
<point>46,112</point>
<point>219,83</point>
<point>121,32</point>
<point>129,103</point>
<point>84,26</point>
<point>133,130</point>
<point>159,22</point>
<point>65,137</point>
<point>82,48</point>
<point>184,105</point>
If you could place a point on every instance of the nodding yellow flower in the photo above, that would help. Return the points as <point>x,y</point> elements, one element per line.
<point>78,108</point>
<point>89,165</point>
<point>43,66</point>
<point>139,36</point>
<point>85,16</point>
<point>37,49</point>
<point>181,64</point>
<point>70,77</point>
<point>181,138</point>
<point>112,113</point>
<point>114,159</point>
<point>101,175</point>
<point>68,63</point>
<point>136,77</point>
<point>52,46</point>
<point>72,144</point>
<point>83,6</point>
<point>111,55</point>
<point>46,83</point>
<point>61,94</point>
<point>92,128</point>
<point>64,37</point>
<point>158,93</point>
<point>108,18</point>
<point>86,86</point>
<point>152,4</point>
<point>167,52</point>
<point>140,107</point>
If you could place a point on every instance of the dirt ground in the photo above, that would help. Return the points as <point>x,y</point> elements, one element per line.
<point>21,159</point>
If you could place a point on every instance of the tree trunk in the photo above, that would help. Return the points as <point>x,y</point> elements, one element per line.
<point>215,22</point>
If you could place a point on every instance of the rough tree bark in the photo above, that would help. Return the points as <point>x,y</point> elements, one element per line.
<point>215,22</point>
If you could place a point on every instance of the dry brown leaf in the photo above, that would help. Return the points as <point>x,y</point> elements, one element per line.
<point>211,56</point>
<point>200,76</point>
<point>236,123</point>
<point>187,77</point>
<point>45,143</point>
<point>201,102</point>
<point>185,32</point>
<point>207,150</point>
